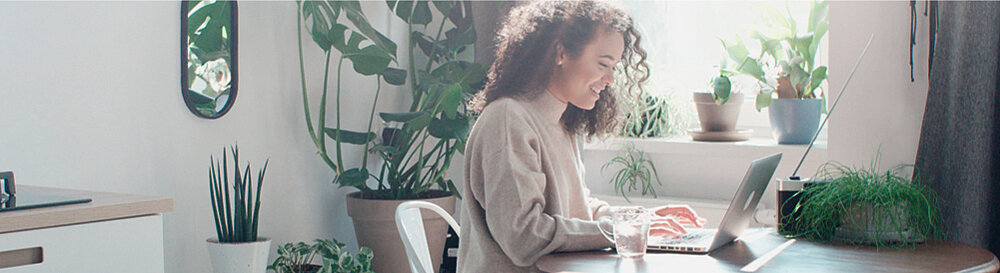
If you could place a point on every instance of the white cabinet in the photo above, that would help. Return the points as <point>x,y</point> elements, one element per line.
<point>112,233</point>
<point>123,245</point>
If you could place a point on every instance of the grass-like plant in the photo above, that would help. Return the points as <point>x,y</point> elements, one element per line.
<point>883,209</point>
<point>298,258</point>
<point>636,172</point>
<point>649,118</point>
<point>236,214</point>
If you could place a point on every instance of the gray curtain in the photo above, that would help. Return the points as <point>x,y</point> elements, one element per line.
<point>959,148</point>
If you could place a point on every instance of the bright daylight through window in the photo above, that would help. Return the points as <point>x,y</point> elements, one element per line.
<point>686,53</point>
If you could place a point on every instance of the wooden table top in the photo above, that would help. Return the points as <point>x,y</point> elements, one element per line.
<point>800,256</point>
<point>105,206</point>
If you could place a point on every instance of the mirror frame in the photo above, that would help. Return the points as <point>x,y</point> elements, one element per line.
<point>233,64</point>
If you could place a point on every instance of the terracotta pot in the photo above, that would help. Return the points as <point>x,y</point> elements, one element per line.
<point>375,227</point>
<point>718,118</point>
<point>249,257</point>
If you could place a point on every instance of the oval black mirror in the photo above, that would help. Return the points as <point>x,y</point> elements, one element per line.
<point>208,57</point>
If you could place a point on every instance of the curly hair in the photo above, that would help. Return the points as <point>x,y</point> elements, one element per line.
<point>526,57</point>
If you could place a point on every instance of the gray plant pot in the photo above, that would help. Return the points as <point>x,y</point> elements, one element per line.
<point>718,118</point>
<point>794,121</point>
<point>867,224</point>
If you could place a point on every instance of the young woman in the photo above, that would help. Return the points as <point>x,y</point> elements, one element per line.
<point>552,84</point>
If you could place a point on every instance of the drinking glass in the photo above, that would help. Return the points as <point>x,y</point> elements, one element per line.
<point>629,230</point>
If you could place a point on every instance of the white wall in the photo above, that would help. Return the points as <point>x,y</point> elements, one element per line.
<point>91,100</point>
<point>880,106</point>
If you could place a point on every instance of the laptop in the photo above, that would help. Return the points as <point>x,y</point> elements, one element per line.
<point>736,219</point>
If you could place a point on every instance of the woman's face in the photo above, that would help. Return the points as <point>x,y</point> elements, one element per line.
<point>580,80</point>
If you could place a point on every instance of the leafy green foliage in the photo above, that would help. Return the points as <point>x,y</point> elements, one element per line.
<point>236,218</point>
<point>636,172</point>
<point>418,143</point>
<point>721,89</point>
<point>794,53</point>
<point>298,258</point>
<point>865,198</point>
<point>649,118</point>
<point>350,137</point>
<point>209,24</point>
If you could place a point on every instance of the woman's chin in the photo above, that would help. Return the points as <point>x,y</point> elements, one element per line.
<point>585,105</point>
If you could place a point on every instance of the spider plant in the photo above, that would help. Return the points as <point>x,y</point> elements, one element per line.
<point>235,218</point>
<point>884,209</point>
<point>636,172</point>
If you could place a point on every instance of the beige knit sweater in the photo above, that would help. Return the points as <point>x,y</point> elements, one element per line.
<point>524,193</point>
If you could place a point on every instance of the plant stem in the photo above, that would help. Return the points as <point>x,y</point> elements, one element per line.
<point>340,159</point>
<point>413,73</point>
<point>418,96</point>
<point>302,73</point>
<point>371,117</point>
<point>322,120</point>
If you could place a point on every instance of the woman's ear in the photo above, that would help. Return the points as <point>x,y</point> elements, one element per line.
<point>560,53</point>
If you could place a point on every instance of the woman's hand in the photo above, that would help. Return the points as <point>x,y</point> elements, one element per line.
<point>669,220</point>
<point>665,227</point>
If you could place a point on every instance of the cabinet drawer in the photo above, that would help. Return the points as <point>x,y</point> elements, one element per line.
<point>122,245</point>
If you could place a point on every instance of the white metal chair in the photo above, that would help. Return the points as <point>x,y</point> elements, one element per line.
<point>411,229</point>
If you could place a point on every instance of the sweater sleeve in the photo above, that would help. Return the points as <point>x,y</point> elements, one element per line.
<point>514,201</point>
<point>598,207</point>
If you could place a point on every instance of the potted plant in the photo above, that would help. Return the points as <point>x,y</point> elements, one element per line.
<point>718,111</point>
<point>418,143</point>
<point>636,172</point>
<point>236,211</point>
<point>298,258</point>
<point>650,117</point>
<point>795,113</point>
<point>864,206</point>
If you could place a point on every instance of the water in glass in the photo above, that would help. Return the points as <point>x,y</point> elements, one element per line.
<point>631,229</point>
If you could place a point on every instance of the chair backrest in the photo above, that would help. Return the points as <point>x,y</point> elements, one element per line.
<point>411,230</point>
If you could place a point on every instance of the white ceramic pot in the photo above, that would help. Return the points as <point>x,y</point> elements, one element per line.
<point>248,257</point>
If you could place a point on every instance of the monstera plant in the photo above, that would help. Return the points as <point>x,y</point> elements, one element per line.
<point>418,143</point>
<point>439,88</point>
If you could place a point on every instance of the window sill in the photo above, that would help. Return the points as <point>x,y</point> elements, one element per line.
<point>683,145</point>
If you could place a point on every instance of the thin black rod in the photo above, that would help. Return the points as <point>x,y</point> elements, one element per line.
<point>841,94</point>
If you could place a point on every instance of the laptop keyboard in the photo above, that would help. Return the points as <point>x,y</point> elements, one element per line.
<point>693,235</point>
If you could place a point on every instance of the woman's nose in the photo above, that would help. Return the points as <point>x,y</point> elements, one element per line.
<point>608,79</point>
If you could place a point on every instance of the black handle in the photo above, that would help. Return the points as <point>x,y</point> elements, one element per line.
<point>8,185</point>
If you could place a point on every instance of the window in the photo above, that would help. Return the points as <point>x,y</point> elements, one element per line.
<point>684,52</point>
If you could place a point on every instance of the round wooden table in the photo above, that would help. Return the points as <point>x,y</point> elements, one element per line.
<point>800,256</point>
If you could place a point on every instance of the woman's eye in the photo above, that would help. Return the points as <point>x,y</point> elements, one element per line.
<point>603,65</point>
